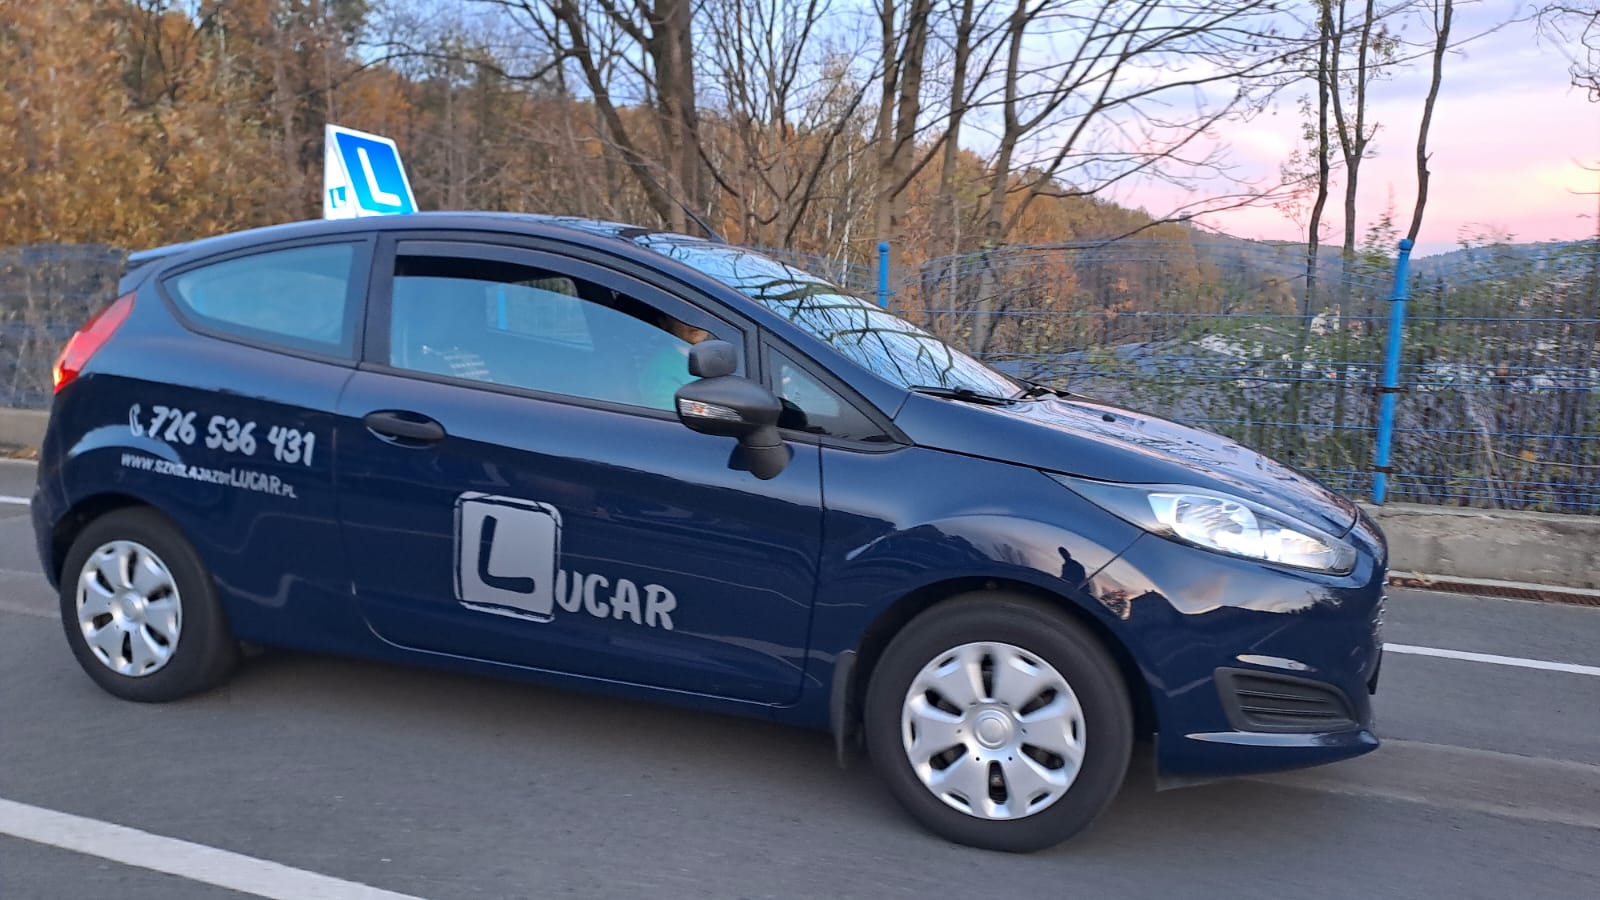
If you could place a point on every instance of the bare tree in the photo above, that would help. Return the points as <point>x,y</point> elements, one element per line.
<point>1577,23</point>
<point>1319,135</point>
<point>789,117</point>
<point>1126,92</point>
<point>1368,37</point>
<point>1324,168</point>
<point>645,47</point>
<point>1443,10</point>
<point>904,53</point>
<point>968,18</point>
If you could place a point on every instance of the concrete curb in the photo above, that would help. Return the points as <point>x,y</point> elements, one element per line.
<point>1500,590</point>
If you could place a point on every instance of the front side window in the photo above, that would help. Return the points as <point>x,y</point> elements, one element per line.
<point>884,344</point>
<point>298,297</point>
<point>525,327</point>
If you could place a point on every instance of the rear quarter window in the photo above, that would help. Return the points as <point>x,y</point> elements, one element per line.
<point>297,298</point>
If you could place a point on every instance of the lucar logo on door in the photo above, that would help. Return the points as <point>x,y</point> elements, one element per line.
<point>507,550</point>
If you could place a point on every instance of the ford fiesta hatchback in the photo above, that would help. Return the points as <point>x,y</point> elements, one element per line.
<point>662,467</point>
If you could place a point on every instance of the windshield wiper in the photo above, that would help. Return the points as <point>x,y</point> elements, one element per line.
<point>1035,389</point>
<point>967,395</point>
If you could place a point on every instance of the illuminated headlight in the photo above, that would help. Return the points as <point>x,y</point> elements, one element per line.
<point>1222,523</point>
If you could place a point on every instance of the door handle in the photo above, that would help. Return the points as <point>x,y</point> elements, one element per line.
<point>403,426</point>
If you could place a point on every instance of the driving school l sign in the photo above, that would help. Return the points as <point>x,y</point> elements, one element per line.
<point>362,176</point>
<point>508,555</point>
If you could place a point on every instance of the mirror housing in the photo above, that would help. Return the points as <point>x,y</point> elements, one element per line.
<point>729,405</point>
<point>713,359</point>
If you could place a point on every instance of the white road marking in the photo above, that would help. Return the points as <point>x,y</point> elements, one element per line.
<point>196,862</point>
<point>1492,659</point>
<point>20,501</point>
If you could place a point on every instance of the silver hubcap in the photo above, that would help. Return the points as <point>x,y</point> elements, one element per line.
<point>993,731</point>
<point>128,608</point>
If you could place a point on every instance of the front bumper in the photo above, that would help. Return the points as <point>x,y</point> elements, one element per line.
<point>1250,667</point>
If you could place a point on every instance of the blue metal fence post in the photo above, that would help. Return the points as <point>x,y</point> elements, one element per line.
<point>1391,373</point>
<point>883,274</point>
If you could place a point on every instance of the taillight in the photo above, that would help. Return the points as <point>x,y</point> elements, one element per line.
<point>90,338</point>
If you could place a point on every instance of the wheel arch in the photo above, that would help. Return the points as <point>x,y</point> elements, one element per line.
<point>77,518</point>
<point>853,671</point>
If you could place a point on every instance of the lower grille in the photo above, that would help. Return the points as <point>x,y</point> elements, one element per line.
<point>1263,701</point>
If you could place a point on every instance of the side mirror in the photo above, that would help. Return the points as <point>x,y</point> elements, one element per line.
<point>729,405</point>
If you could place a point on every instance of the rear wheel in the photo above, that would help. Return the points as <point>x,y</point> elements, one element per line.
<point>140,609</point>
<point>999,723</point>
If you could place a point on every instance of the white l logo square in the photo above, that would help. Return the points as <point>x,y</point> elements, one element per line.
<point>506,550</point>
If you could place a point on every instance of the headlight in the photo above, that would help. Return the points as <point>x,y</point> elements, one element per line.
<point>1222,523</point>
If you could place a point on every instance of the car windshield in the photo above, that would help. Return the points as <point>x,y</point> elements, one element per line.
<point>885,344</point>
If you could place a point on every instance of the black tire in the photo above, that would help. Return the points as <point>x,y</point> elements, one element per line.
<point>1038,630</point>
<point>205,651</point>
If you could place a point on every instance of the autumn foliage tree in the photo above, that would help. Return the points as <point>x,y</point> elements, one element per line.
<point>945,126</point>
<point>809,123</point>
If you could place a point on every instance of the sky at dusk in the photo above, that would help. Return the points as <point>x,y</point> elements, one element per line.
<point>1509,143</point>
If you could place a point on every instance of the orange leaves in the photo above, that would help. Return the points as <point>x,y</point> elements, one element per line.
<point>134,123</point>
<point>131,125</point>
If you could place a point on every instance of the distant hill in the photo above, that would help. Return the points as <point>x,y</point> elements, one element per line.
<point>1493,259</point>
<point>1287,259</point>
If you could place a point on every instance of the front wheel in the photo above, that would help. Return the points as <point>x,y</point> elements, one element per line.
<point>998,722</point>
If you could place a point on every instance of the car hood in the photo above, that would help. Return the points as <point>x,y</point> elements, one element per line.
<point>1077,436</point>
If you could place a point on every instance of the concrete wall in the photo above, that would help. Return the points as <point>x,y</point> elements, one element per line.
<point>1534,548</point>
<point>22,427</point>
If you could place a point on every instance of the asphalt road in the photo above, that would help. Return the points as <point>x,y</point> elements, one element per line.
<point>443,786</point>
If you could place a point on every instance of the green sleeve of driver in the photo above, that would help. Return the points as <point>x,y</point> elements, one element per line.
<point>663,374</point>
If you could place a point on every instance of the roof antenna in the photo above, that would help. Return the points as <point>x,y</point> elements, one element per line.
<point>698,221</point>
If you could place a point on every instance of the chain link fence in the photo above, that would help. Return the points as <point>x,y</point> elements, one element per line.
<point>1500,375</point>
<point>46,292</point>
<point>1501,381</point>
<point>1500,378</point>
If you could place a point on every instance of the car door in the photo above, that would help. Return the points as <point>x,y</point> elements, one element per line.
<point>515,485</point>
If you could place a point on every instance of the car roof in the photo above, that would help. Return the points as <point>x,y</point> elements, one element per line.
<point>576,228</point>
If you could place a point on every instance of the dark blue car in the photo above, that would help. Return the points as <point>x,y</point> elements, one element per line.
<point>665,467</point>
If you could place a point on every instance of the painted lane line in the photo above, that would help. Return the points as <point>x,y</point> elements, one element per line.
<point>196,862</point>
<point>1492,659</point>
<point>19,501</point>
